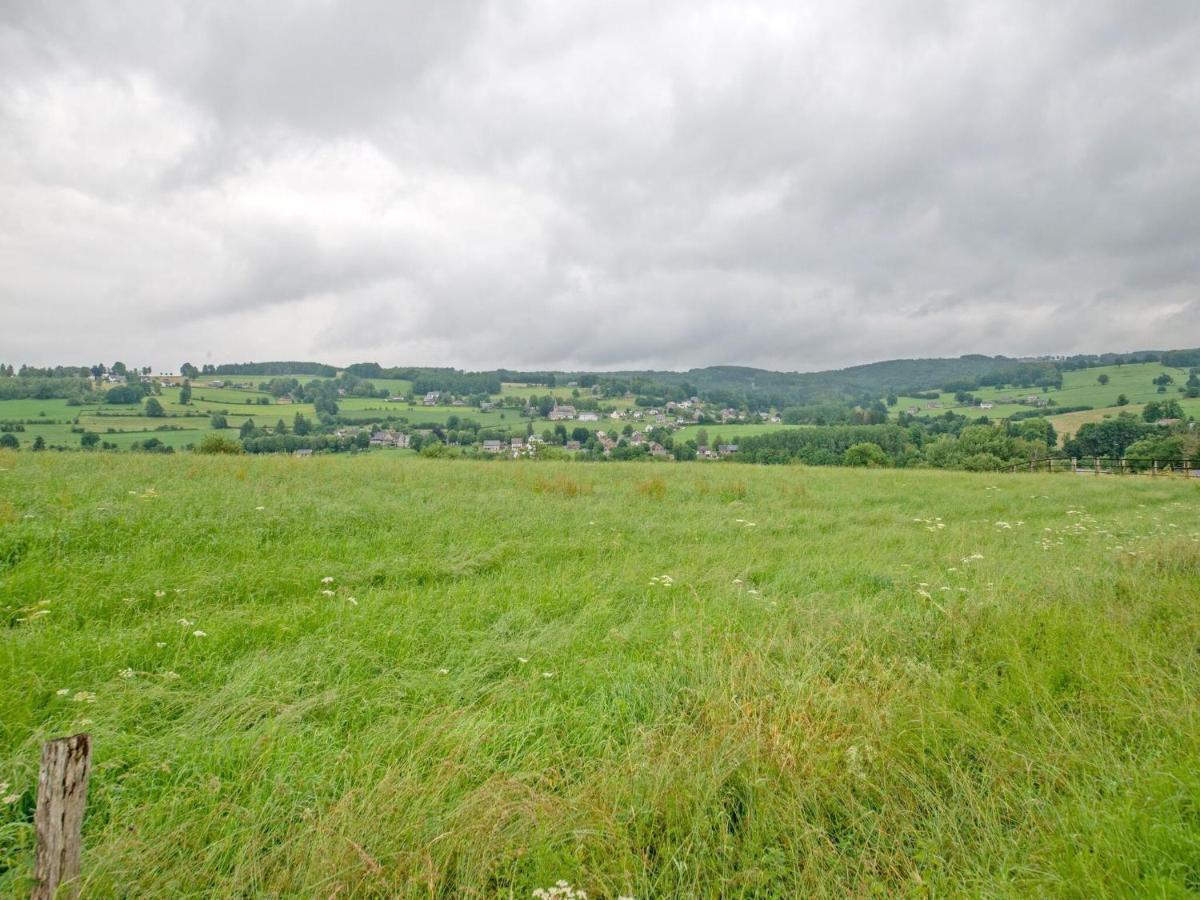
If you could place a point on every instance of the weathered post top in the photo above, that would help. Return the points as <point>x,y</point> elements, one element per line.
<point>62,794</point>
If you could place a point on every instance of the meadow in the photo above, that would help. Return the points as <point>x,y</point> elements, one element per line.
<point>1081,387</point>
<point>382,676</point>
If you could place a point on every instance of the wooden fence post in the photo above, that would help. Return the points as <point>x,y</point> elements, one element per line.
<point>62,794</point>
<point>1074,464</point>
<point>1096,464</point>
<point>1154,470</point>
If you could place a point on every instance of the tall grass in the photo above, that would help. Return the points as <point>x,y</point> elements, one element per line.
<point>848,683</point>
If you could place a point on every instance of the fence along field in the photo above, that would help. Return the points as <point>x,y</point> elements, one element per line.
<point>350,676</point>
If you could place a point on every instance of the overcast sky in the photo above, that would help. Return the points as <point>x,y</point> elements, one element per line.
<point>603,185</point>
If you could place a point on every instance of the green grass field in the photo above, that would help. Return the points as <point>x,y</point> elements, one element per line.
<point>385,676</point>
<point>729,433</point>
<point>1080,388</point>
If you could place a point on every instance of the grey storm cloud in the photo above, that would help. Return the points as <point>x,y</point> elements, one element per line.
<point>791,185</point>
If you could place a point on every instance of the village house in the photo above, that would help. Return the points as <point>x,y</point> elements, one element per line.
<point>559,413</point>
<point>704,452</point>
<point>389,439</point>
<point>493,446</point>
<point>727,449</point>
<point>302,452</point>
<point>431,398</point>
<point>987,405</point>
<point>573,445</point>
<point>659,450</point>
<point>589,417</point>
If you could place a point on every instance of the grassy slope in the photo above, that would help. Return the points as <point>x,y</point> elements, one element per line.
<point>1080,388</point>
<point>820,727</point>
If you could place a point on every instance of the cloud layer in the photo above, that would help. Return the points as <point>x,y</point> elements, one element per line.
<point>790,185</point>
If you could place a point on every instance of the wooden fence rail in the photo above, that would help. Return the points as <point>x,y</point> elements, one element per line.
<point>1111,465</point>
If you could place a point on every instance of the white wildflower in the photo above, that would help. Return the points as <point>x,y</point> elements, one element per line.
<point>547,674</point>
<point>170,676</point>
<point>328,579</point>
<point>198,633</point>
<point>327,593</point>
<point>522,659</point>
<point>352,601</point>
<point>160,644</point>
<point>186,622</point>
<point>84,697</point>
<point>127,673</point>
<point>443,671</point>
<point>62,692</point>
<point>160,594</point>
<point>562,890</point>
<point>854,763</point>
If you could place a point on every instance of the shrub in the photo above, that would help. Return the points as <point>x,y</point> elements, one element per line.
<point>983,462</point>
<point>218,443</point>
<point>865,453</point>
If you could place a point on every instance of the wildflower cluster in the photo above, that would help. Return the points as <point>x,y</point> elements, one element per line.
<point>663,581</point>
<point>563,891</point>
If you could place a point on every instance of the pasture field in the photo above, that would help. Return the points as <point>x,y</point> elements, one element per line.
<point>496,418</point>
<point>1080,388</point>
<point>382,676</point>
<point>1068,423</point>
<point>15,410</point>
<point>729,433</point>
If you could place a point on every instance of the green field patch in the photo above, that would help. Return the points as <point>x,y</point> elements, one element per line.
<point>728,433</point>
<point>12,410</point>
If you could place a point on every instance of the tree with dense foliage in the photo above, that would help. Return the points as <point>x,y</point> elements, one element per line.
<point>217,421</point>
<point>185,393</point>
<point>154,409</point>
<point>1108,438</point>
<point>89,440</point>
<point>187,370</point>
<point>9,441</point>
<point>1102,378</point>
<point>39,443</point>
